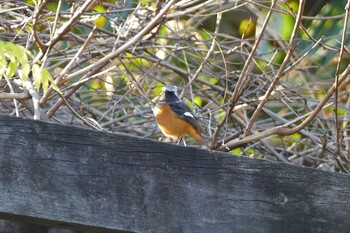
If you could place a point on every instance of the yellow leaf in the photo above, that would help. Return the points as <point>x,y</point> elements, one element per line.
<point>100,21</point>
<point>247,28</point>
<point>100,8</point>
<point>198,100</point>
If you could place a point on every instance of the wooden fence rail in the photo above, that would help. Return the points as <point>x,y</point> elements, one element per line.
<point>67,176</point>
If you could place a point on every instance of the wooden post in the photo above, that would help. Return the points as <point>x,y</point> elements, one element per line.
<point>60,175</point>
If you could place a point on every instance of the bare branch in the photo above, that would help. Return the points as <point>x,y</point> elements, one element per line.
<point>286,131</point>
<point>239,87</point>
<point>282,67</point>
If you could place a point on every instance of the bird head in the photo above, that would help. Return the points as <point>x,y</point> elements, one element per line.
<point>169,94</point>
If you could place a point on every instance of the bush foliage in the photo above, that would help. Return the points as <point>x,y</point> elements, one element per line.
<point>267,79</point>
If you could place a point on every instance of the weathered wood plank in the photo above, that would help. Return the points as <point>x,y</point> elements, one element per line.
<point>57,174</point>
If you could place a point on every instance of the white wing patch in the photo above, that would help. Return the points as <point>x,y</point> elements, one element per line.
<point>189,114</point>
<point>156,110</point>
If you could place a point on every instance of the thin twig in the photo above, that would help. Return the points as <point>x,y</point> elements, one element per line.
<point>15,96</point>
<point>36,15</point>
<point>77,114</point>
<point>66,27</point>
<point>12,91</point>
<point>154,22</point>
<point>243,139</point>
<point>205,60</point>
<point>58,11</point>
<point>69,65</point>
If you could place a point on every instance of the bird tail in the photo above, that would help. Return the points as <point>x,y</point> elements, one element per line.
<point>204,142</point>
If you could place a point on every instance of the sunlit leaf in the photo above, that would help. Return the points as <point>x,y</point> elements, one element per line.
<point>198,100</point>
<point>3,61</point>
<point>213,80</point>
<point>2,54</point>
<point>157,90</point>
<point>30,2</point>
<point>45,79</point>
<point>100,21</point>
<point>48,77</point>
<point>99,8</point>
<point>247,28</point>
<point>36,71</point>
<point>236,151</point>
<point>21,54</point>
<point>42,78</point>
<point>24,71</point>
<point>96,84</point>
<point>17,55</point>
<point>10,51</point>
<point>28,53</point>
<point>11,68</point>
<point>2,71</point>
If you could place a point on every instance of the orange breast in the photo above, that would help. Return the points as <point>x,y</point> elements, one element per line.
<point>172,126</point>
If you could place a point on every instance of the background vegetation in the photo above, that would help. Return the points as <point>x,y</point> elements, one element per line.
<point>267,79</point>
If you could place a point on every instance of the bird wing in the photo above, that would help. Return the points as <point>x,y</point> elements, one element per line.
<point>182,111</point>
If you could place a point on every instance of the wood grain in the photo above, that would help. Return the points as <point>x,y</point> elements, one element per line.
<point>60,175</point>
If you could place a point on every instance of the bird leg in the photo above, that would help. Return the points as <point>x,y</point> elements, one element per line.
<point>183,140</point>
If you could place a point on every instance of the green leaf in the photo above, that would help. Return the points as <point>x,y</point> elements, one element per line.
<point>17,54</point>
<point>28,53</point>
<point>48,77</point>
<point>10,51</point>
<point>45,78</point>
<point>54,86</point>
<point>237,151</point>
<point>3,61</point>
<point>11,68</point>
<point>24,71</point>
<point>36,71</point>
<point>2,55</point>
<point>42,78</point>
<point>21,55</point>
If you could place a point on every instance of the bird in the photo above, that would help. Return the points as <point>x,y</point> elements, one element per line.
<point>175,119</point>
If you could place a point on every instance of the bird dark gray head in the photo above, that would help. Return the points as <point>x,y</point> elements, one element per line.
<point>170,88</point>
<point>169,95</point>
